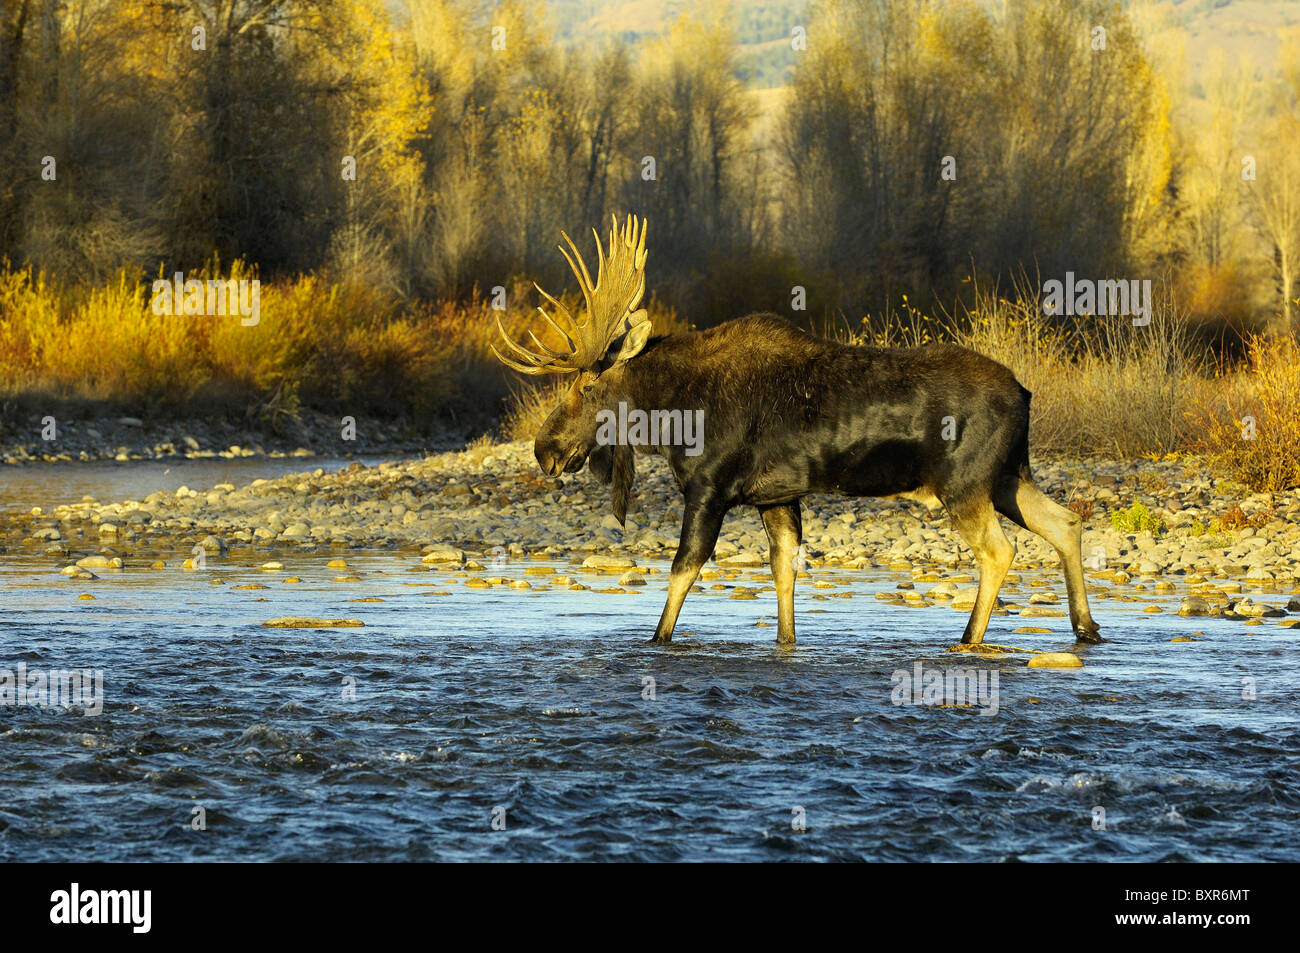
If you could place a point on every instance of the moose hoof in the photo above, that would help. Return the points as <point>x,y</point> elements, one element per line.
<point>656,640</point>
<point>1091,634</point>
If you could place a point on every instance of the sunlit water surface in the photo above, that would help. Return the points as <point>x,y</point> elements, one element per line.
<point>108,481</point>
<point>533,707</point>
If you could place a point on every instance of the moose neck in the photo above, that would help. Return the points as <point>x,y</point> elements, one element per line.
<point>648,405</point>
<point>637,383</point>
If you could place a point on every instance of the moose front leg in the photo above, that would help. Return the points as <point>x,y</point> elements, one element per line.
<point>700,526</point>
<point>784,534</point>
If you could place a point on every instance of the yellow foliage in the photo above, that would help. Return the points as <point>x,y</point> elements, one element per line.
<point>1247,424</point>
<point>330,344</point>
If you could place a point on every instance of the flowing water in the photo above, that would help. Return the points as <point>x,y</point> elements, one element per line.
<point>512,724</point>
<point>52,484</point>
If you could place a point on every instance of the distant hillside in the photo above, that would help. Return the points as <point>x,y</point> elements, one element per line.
<point>1246,30</point>
<point>762,28</point>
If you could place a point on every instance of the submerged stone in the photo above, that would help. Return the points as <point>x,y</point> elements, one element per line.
<point>308,622</point>
<point>443,554</point>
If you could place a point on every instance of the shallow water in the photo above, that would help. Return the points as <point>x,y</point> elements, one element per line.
<point>54,484</point>
<point>531,703</point>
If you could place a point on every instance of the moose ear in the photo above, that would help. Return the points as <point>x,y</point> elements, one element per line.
<point>635,339</point>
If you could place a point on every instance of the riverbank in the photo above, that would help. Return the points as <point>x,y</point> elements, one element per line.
<point>39,437</point>
<point>472,510</point>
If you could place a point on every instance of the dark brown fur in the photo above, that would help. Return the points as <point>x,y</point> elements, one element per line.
<point>787,414</point>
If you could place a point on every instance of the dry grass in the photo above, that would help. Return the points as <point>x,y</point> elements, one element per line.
<point>1103,385</point>
<point>529,407</point>
<point>334,346</point>
<point>1100,384</point>
<point>1247,424</point>
<point>344,346</point>
<point>1084,508</point>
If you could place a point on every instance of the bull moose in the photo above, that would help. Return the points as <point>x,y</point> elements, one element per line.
<point>787,414</point>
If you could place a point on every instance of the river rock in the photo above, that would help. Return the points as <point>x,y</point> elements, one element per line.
<point>442,554</point>
<point>100,562</point>
<point>214,544</point>
<point>1056,660</point>
<point>606,563</point>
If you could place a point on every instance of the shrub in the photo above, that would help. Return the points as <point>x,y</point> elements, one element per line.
<point>1247,425</point>
<point>329,345</point>
<point>1236,518</point>
<point>1136,519</point>
<point>1099,384</point>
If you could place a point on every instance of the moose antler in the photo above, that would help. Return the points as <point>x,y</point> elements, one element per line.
<point>611,305</point>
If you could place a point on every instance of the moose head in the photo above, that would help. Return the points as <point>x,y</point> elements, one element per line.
<point>614,331</point>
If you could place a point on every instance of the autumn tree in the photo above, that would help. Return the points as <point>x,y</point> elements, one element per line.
<point>72,122</point>
<point>1274,197</point>
<point>922,138</point>
<point>686,155</point>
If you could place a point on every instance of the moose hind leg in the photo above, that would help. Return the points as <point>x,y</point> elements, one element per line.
<point>784,534</point>
<point>1021,501</point>
<point>978,525</point>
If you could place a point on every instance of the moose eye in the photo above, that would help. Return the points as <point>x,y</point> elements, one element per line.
<point>587,388</point>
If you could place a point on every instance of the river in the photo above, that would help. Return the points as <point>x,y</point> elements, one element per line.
<point>535,724</point>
